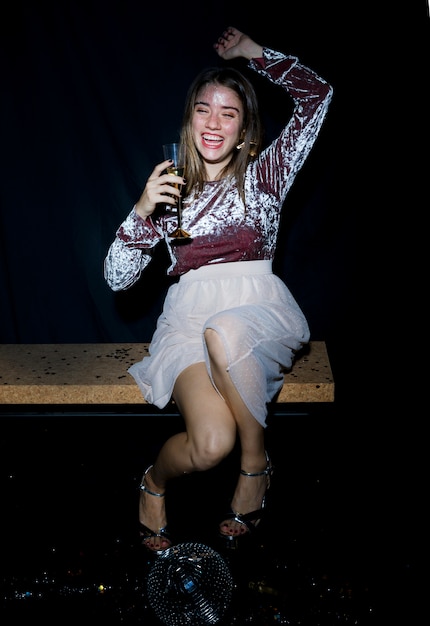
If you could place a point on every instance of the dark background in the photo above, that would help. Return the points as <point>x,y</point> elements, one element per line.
<point>90,91</point>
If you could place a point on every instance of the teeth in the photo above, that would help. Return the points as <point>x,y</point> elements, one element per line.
<point>211,138</point>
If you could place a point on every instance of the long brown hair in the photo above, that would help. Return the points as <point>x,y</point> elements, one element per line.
<point>251,136</point>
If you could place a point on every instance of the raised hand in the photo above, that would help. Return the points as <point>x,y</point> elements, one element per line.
<point>233,44</point>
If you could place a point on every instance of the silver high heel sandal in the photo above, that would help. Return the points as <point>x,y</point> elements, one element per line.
<point>249,520</point>
<point>148,534</point>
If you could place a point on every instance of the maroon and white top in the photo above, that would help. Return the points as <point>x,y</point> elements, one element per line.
<point>224,230</point>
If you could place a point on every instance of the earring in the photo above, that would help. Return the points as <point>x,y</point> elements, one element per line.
<point>252,147</point>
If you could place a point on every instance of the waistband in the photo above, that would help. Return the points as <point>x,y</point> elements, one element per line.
<point>227,270</point>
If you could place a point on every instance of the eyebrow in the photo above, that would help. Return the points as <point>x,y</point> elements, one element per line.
<point>208,105</point>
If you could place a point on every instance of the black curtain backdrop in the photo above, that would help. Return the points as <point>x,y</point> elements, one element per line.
<point>89,92</point>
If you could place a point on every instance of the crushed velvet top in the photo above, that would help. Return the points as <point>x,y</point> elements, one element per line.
<point>221,229</point>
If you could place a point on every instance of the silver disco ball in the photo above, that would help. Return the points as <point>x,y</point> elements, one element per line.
<point>189,583</point>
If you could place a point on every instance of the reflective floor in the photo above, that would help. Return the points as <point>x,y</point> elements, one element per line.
<point>69,546</point>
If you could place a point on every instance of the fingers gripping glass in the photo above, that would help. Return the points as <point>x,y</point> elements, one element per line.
<point>176,152</point>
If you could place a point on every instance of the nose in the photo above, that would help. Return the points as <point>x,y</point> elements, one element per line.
<point>213,121</point>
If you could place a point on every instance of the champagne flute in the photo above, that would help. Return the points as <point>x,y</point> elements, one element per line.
<point>176,152</point>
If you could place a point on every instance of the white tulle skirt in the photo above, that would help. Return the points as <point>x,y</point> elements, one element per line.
<point>259,321</point>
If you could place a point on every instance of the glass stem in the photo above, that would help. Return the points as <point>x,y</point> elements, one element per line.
<point>179,212</point>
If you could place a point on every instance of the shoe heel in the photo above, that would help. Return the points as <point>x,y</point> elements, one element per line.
<point>228,542</point>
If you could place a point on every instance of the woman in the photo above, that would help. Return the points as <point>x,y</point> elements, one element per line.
<point>229,327</point>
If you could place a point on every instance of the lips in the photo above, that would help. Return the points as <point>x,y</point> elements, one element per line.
<point>209,141</point>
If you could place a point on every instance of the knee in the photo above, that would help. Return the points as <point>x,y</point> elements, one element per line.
<point>210,450</point>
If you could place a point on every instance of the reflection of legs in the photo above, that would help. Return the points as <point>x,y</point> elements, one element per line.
<point>249,492</point>
<point>210,436</point>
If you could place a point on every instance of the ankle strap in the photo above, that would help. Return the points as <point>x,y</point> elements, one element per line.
<point>267,471</point>
<point>143,487</point>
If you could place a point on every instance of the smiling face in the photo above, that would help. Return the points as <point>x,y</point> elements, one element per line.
<point>217,124</point>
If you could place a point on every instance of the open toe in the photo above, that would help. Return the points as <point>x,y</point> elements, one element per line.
<point>246,523</point>
<point>154,541</point>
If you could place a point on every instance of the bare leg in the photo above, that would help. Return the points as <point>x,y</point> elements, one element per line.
<point>249,492</point>
<point>210,436</point>
<point>212,423</point>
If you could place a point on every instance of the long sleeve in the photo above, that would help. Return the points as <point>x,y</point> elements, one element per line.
<point>130,251</point>
<point>281,161</point>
